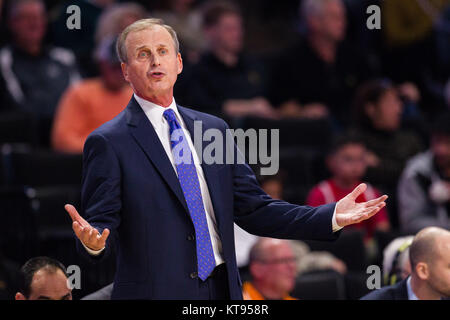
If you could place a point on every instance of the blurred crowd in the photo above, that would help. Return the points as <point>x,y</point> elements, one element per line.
<point>352,105</point>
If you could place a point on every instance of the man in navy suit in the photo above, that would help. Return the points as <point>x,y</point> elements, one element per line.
<point>429,255</point>
<point>170,222</point>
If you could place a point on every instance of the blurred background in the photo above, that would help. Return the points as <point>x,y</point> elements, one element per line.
<point>352,104</point>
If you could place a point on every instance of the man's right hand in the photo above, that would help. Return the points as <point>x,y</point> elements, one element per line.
<point>87,234</point>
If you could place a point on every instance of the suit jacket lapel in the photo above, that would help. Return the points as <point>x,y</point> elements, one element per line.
<point>145,135</point>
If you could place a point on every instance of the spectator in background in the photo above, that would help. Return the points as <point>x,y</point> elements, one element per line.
<point>272,269</point>
<point>346,162</point>
<point>44,278</point>
<point>35,75</point>
<point>429,255</point>
<point>424,187</point>
<point>226,82</point>
<point>92,102</point>
<point>317,76</point>
<point>116,18</point>
<point>80,41</point>
<point>396,265</point>
<point>378,112</point>
<point>186,20</point>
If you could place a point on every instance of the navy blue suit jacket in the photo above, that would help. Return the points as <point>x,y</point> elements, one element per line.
<point>130,187</point>
<point>397,291</point>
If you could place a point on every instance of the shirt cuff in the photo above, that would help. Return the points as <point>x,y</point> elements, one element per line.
<point>93,252</point>
<point>334,224</point>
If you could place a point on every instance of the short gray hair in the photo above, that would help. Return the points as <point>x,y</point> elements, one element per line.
<point>313,7</point>
<point>139,25</point>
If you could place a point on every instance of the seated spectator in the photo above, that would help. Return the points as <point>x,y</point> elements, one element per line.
<point>396,266</point>
<point>92,102</point>
<point>43,278</point>
<point>35,75</point>
<point>317,76</point>
<point>272,269</point>
<point>80,41</point>
<point>378,112</point>
<point>116,18</point>
<point>424,187</point>
<point>186,20</point>
<point>226,81</point>
<point>429,255</point>
<point>347,164</point>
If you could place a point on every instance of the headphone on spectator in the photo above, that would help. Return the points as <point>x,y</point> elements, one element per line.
<point>395,274</point>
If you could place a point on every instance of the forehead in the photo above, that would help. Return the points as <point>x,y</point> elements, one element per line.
<point>48,283</point>
<point>149,37</point>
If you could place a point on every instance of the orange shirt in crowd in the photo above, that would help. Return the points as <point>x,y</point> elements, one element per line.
<point>249,292</point>
<point>82,109</point>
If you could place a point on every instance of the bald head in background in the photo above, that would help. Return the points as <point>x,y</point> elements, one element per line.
<point>429,255</point>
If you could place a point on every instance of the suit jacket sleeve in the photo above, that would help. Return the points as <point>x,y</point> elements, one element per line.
<point>101,191</point>
<point>259,214</point>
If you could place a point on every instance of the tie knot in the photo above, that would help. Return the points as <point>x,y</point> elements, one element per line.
<point>169,115</point>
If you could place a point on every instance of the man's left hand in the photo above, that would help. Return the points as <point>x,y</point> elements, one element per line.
<point>348,211</point>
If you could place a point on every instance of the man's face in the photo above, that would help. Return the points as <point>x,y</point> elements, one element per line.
<point>331,22</point>
<point>29,23</point>
<point>440,145</point>
<point>439,276</point>
<point>387,113</point>
<point>153,63</point>
<point>279,268</point>
<point>228,33</point>
<point>50,285</point>
<point>348,163</point>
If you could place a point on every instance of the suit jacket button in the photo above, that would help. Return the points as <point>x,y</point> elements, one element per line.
<point>190,237</point>
<point>193,275</point>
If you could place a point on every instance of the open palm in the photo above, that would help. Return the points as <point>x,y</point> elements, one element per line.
<point>348,211</point>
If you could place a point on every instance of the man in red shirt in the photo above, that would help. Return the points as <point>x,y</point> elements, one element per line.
<point>347,164</point>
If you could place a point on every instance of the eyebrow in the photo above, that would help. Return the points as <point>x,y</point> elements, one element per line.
<point>145,47</point>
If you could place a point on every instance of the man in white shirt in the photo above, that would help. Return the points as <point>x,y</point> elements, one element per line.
<point>171,221</point>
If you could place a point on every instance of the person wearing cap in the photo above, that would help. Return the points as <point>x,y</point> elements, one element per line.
<point>92,102</point>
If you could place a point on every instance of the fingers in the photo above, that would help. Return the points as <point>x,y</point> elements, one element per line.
<point>75,215</point>
<point>104,236</point>
<point>360,189</point>
<point>90,236</point>
<point>375,202</point>
<point>368,213</point>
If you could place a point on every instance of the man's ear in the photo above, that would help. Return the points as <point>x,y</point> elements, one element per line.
<point>422,270</point>
<point>180,63</point>
<point>124,67</point>
<point>20,296</point>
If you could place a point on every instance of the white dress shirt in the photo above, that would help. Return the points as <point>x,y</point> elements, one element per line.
<point>411,294</point>
<point>154,114</point>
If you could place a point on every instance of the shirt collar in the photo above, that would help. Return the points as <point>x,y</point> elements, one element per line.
<point>411,294</point>
<point>155,112</point>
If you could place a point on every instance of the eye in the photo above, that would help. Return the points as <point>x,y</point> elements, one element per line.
<point>163,51</point>
<point>143,54</point>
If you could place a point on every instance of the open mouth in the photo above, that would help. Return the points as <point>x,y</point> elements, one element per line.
<point>157,74</point>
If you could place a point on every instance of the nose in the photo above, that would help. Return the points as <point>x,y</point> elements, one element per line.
<point>155,60</point>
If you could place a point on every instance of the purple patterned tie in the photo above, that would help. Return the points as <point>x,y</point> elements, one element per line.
<point>187,175</point>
